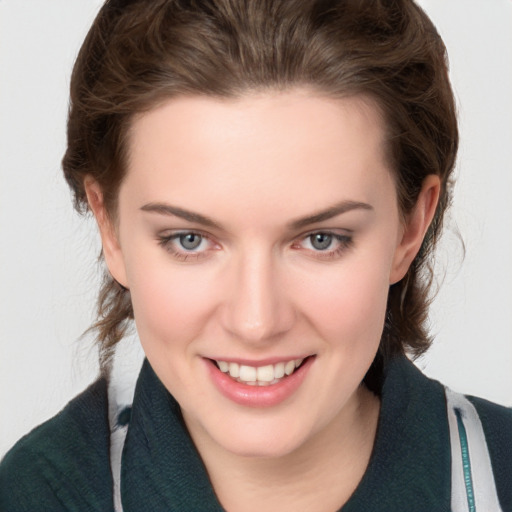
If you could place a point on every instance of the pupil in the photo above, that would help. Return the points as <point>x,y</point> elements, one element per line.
<point>321,241</point>
<point>190,241</point>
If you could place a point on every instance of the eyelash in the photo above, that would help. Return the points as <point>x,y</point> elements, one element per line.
<point>167,242</point>
<point>344,242</point>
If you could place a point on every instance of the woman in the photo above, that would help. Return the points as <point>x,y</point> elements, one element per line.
<point>269,180</point>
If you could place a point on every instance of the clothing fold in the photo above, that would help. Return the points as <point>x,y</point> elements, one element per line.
<point>65,464</point>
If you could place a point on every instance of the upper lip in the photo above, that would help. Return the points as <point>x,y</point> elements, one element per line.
<point>260,362</point>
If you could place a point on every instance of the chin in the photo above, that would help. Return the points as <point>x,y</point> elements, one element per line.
<point>262,447</point>
<point>256,436</point>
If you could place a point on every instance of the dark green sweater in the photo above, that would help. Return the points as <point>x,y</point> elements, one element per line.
<point>64,463</point>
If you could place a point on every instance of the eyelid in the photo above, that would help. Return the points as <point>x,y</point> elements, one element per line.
<point>344,243</point>
<point>336,233</point>
<point>167,240</point>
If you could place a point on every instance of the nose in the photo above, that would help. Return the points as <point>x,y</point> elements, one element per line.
<point>258,308</point>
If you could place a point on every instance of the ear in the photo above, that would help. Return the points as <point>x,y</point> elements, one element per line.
<point>415,227</point>
<point>109,238</point>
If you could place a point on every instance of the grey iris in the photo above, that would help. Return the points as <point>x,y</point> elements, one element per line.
<point>190,241</point>
<point>321,241</point>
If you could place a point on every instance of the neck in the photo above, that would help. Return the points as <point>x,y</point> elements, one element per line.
<point>320,475</point>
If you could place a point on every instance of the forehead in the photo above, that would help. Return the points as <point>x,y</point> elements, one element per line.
<point>261,149</point>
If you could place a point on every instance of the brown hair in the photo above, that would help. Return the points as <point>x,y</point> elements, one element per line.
<point>139,53</point>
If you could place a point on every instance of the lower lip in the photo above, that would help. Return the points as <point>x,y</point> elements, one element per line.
<point>258,396</point>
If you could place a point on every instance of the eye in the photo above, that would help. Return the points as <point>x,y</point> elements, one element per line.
<point>187,245</point>
<point>324,244</point>
<point>321,241</point>
<point>190,241</point>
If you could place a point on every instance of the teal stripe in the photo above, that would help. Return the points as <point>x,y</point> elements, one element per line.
<point>466,462</point>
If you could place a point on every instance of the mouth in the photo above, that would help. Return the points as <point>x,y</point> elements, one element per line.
<point>267,375</point>
<point>266,384</point>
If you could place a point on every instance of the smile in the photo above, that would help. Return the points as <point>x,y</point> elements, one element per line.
<point>266,385</point>
<point>259,375</point>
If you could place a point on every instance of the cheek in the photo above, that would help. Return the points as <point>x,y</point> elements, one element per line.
<point>348,303</point>
<point>169,303</point>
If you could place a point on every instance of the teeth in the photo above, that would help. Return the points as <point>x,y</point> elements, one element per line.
<point>261,375</point>
<point>289,367</point>
<point>247,373</point>
<point>279,370</point>
<point>223,366</point>
<point>234,370</point>
<point>265,373</point>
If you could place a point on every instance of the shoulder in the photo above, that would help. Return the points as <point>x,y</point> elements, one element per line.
<point>496,419</point>
<point>64,463</point>
<point>497,425</point>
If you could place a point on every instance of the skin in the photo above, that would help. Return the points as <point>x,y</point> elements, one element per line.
<point>256,287</point>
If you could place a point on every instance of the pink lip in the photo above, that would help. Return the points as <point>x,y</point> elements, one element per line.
<point>260,362</point>
<point>258,396</point>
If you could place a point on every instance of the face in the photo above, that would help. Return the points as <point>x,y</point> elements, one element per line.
<point>258,238</point>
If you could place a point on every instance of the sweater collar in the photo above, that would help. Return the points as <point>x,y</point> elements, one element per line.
<point>161,469</point>
<point>409,466</point>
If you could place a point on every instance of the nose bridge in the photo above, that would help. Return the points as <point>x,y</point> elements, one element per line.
<point>259,308</point>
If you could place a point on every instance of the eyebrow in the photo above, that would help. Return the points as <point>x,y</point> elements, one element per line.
<point>167,209</point>
<point>329,213</point>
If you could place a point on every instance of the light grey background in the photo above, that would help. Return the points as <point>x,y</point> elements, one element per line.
<point>48,271</point>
